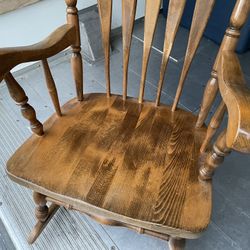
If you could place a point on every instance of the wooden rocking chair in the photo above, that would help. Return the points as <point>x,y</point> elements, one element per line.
<point>129,162</point>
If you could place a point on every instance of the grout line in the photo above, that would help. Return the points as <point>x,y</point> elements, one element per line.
<point>227,237</point>
<point>156,49</point>
<point>165,93</point>
<point>231,203</point>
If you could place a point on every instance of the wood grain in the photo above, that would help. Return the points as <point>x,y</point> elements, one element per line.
<point>51,87</point>
<point>123,161</point>
<point>214,158</point>
<point>230,40</point>
<point>128,19</point>
<point>175,11</point>
<point>236,96</point>
<point>201,15</point>
<point>214,125</point>
<point>150,20</point>
<point>105,12</point>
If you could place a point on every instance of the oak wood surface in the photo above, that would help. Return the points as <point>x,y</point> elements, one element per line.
<point>132,163</point>
<point>175,11</point>
<point>105,12</point>
<point>124,161</point>
<point>236,95</point>
<point>51,87</point>
<point>237,20</point>
<point>76,59</point>
<point>151,16</point>
<point>201,16</point>
<point>128,19</point>
<point>18,95</point>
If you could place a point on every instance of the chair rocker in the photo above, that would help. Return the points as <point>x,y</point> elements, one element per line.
<point>125,161</point>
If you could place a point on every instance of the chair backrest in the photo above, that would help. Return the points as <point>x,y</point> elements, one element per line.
<point>201,14</point>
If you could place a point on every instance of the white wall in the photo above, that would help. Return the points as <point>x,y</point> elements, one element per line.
<point>33,23</point>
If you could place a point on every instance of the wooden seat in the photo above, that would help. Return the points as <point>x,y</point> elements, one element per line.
<point>124,161</point>
<point>118,159</point>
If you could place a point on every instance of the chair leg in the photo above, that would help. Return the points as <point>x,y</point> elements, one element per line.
<point>43,215</point>
<point>176,243</point>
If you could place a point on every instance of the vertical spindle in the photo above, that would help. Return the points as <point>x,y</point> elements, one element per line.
<point>128,19</point>
<point>105,12</point>
<point>51,87</point>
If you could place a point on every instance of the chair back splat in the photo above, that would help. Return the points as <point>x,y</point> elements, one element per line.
<point>200,18</point>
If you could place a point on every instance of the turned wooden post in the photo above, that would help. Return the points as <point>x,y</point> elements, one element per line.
<point>42,209</point>
<point>76,61</point>
<point>214,125</point>
<point>214,158</point>
<point>231,38</point>
<point>18,95</point>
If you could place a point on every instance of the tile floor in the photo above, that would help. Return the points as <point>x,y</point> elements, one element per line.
<point>230,225</point>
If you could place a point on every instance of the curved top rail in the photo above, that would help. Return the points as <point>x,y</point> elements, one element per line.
<point>57,41</point>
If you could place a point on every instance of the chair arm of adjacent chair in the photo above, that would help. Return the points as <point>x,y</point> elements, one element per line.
<point>236,96</point>
<point>60,39</point>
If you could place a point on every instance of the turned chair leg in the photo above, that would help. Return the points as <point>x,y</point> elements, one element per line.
<point>43,215</point>
<point>176,243</point>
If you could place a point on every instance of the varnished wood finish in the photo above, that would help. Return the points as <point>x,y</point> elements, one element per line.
<point>40,225</point>
<point>214,125</point>
<point>51,87</point>
<point>56,42</point>
<point>126,162</point>
<point>237,98</point>
<point>175,11</point>
<point>128,19</point>
<point>201,15</point>
<point>151,17</point>
<point>18,95</point>
<point>42,209</point>
<point>176,243</point>
<point>230,40</point>
<point>209,96</point>
<point>143,172</point>
<point>76,61</point>
<point>105,221</point>
<point>105,12</point>
<point>214,158</point>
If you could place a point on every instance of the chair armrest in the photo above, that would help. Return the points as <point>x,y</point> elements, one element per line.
<point>236,96</point>
<point>60,39</point>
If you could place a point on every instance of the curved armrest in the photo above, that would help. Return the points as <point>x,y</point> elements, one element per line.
<point>236,96</point>
<point>60,39</point>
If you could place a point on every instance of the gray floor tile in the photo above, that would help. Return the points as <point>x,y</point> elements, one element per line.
<point>231,220</point>
<point>5,241</point>
<point>212,239</point>
<point>234,175</point>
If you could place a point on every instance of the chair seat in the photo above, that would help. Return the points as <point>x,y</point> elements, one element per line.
<point>132,163</point>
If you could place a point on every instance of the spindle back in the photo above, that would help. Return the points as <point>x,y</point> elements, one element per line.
<point>201,14</point>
